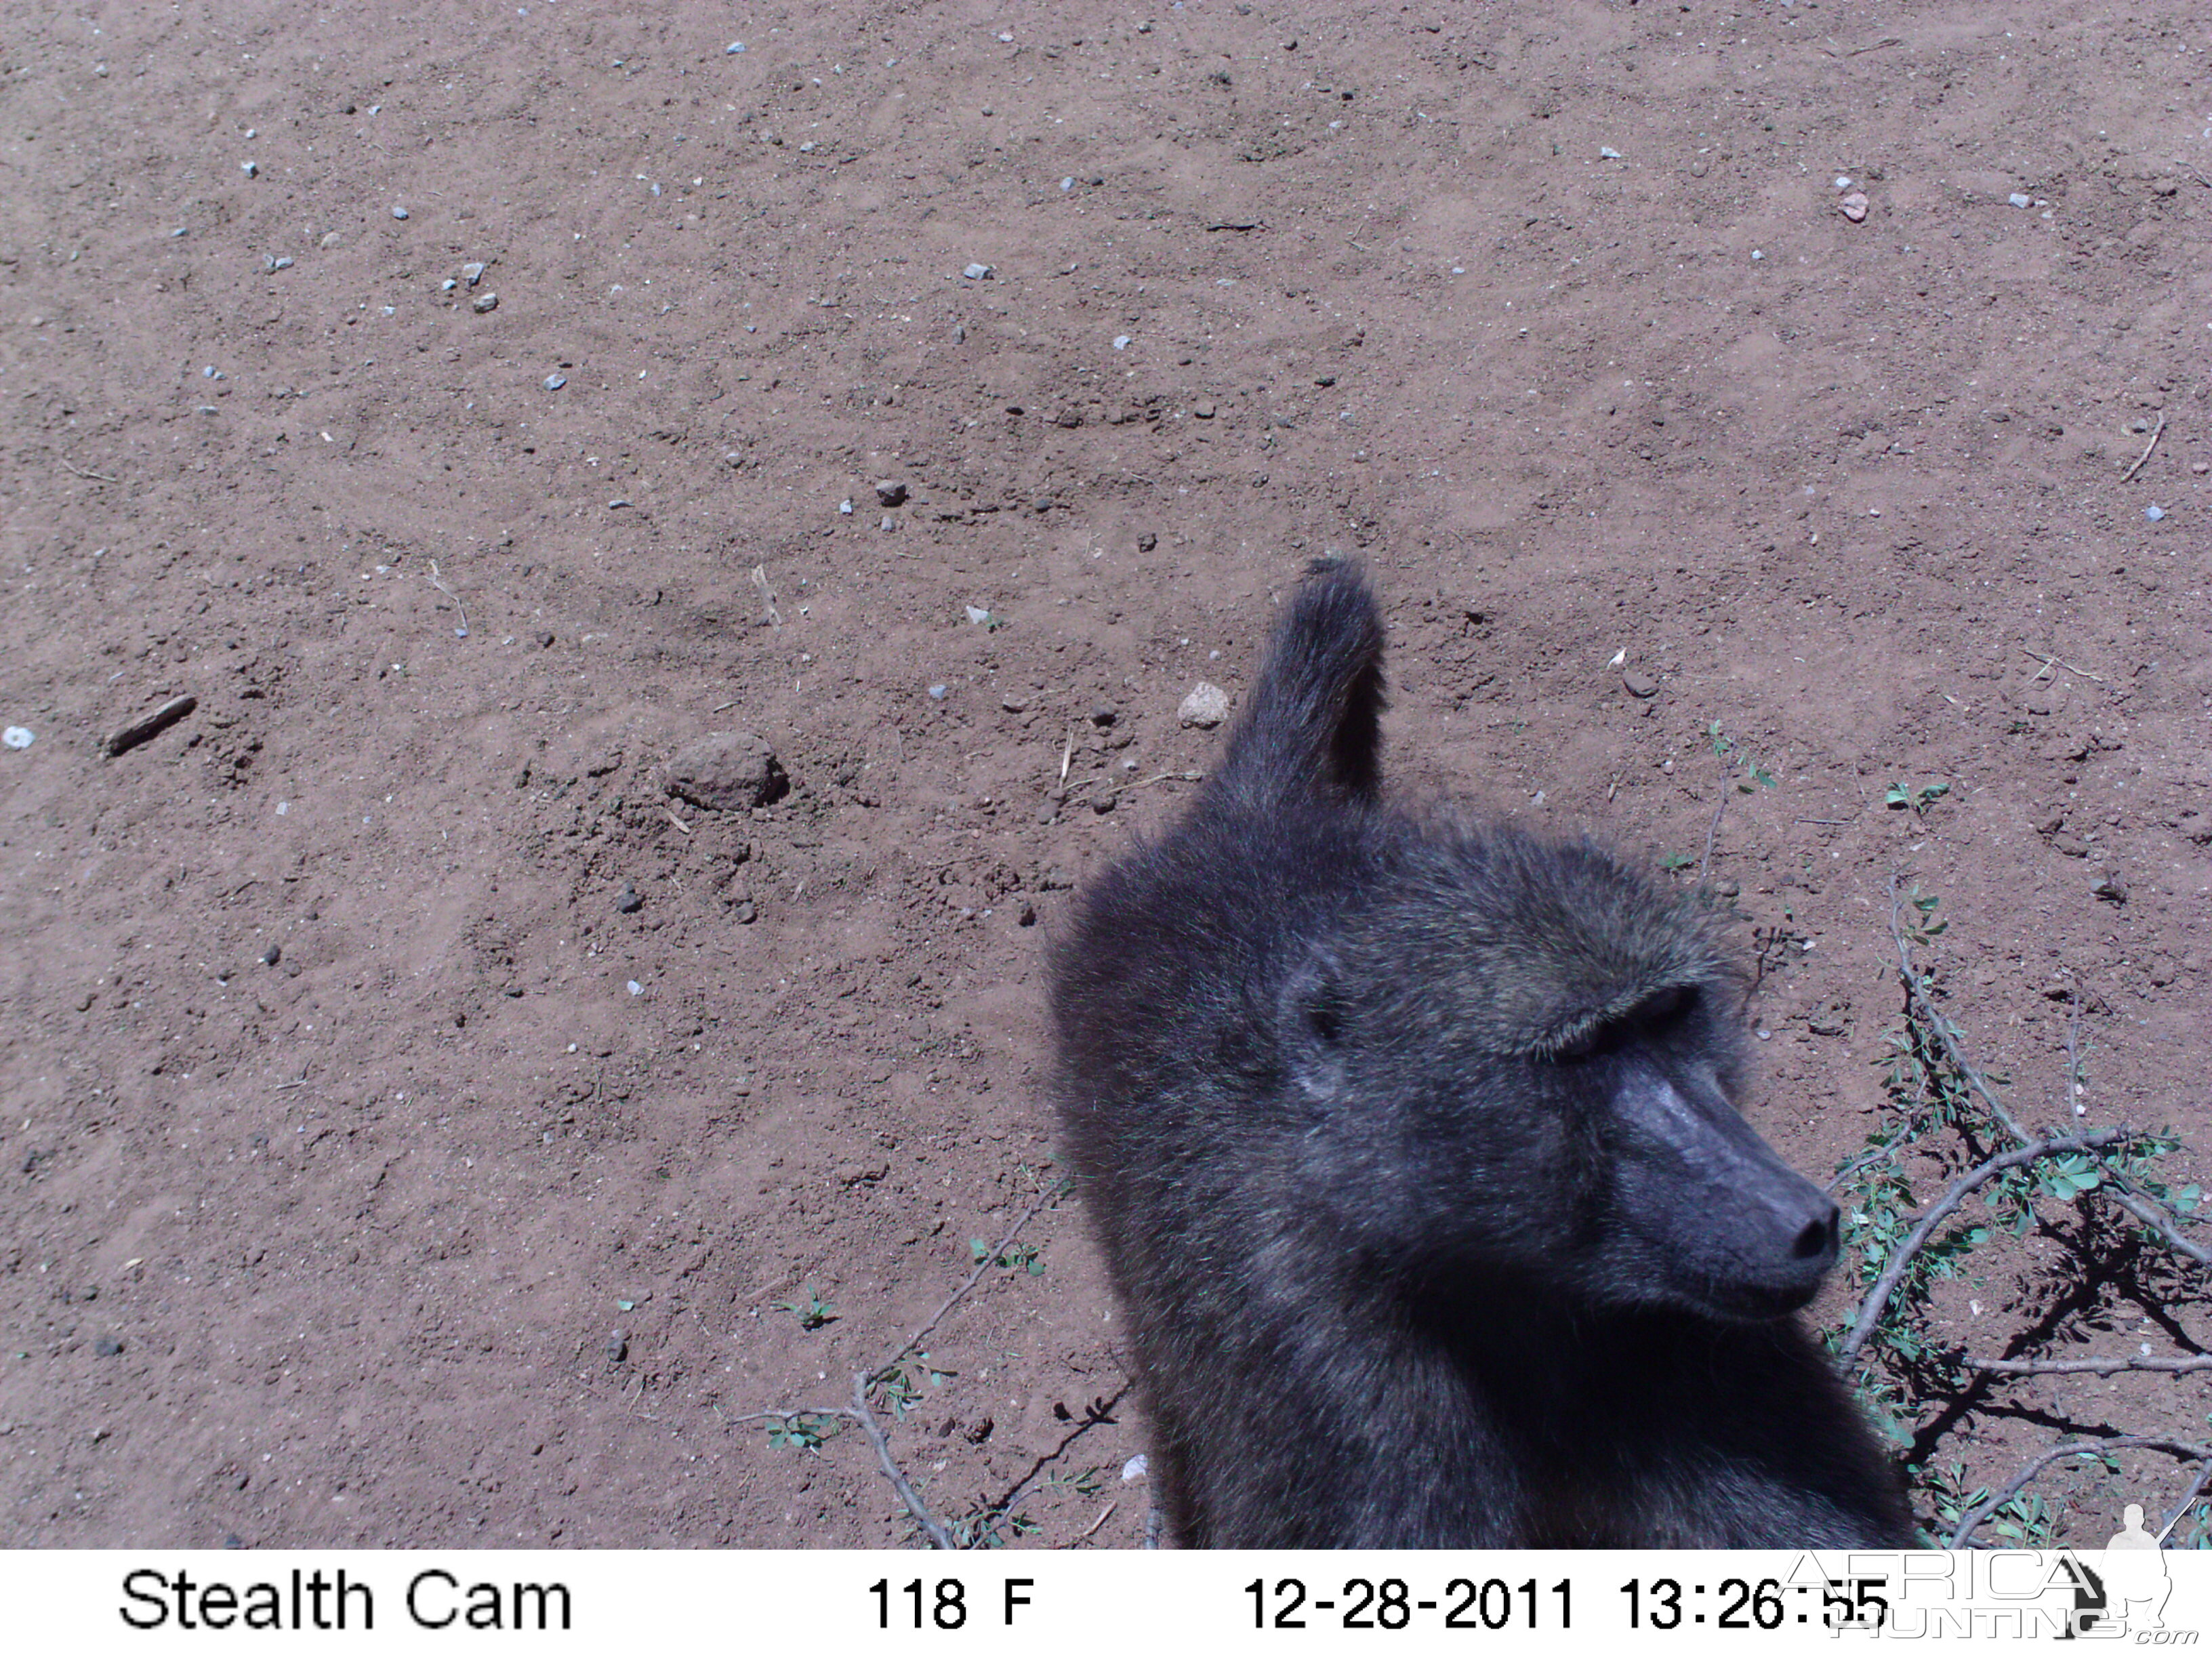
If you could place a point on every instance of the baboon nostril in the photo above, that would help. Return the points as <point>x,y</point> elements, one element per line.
<point>1813,1241</point>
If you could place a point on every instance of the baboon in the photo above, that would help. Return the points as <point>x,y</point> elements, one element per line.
<point>1411,1145</point>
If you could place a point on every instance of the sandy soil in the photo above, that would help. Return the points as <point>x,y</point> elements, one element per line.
<point>350,1106</point>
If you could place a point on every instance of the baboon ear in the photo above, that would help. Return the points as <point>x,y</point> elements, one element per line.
<point>1310,1018</point>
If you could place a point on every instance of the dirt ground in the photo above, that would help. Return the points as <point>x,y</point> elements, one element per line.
<point>416,1127</point>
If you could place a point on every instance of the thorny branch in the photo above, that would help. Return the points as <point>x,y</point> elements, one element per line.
<point>1877,1299</point>
<point>2143,1209</point>
<point>2096,1367</point>
<point>861,1413</point>
<point>1982,1511</point>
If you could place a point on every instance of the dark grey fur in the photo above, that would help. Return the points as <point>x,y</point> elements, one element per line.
<point>1412,1148</point>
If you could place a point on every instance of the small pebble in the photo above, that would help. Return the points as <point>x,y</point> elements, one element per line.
<point>2153,513</point>
<point>1854,206</point>
<point>1135,1467</point>
<point>2018,200</point>
<point>251,169</point>
<point>635,989</point>
<point>399,213</point>
<point>1121,342</point>
<point>937,694</point>
<point>1068,184</point>
<point>107,1346</point>
<point>1104,716</point>
<point>1639,685</point>
<point>617,1347</point>
<point>977,273</point>
<point>733,48</point>
<point>1607,153</point>
<point>472,272</point>
<point>978,615</point>
<point>2114,889</point>
<point>272,955</point>
<point>484,303</point>
<point>890,492</point>
<point>630,901</point>
<point>18,737</point>
<point>1147,542</point>
<point>554,382</point>
<point>1206,705</point>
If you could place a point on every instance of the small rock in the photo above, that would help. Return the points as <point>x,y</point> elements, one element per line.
<point>1147,542</point>
<point>272,955</point>
<point>18,737</point>
<point>1104,716</point>
<point>472,273</point>
<point>108,1346</point>
<point>1202,411</point>
<point>1103,804</point>
<point>2018,200</point>
<point>726,772</point>
<point>484,303</point>
<point>937,694</point>
<point>1121,342</point>
<point>630,901</point>
<point>978,273</point>
<point>744,912</point>
<point>1607,153</point>
<point>1639,685</point>
<point>1135,1467</point>
<point>399,213</point>
<point>2153,513</point>
<point>635,989</point>
<point>554,382</point>
<point>1014,703</point>
<point>1027,915</point>
<point>1853,207</point>
<point>2113,889</point>
<point>617,1347</point>
<point>545,639</point>
<point>1206,705</point>
<point>890,492</point>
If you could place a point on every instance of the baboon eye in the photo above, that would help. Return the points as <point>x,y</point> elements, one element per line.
<point>1667,1006</point>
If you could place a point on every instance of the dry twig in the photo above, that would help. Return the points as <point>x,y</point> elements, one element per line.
<point>152,726</point>
<point>2155,433</point>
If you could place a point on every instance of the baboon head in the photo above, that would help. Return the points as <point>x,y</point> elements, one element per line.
<point>1498,1049</point>
<point>1525,1056</point>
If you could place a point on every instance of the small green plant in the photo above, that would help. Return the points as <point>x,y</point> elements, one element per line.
<point>1676,861</point>
<point>901,1386</point>
<point>1756,775</point>
<point>1918,797</point>
<point>801,1430</point>
<point>1024,1257</point>
<point>813,1313</point>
